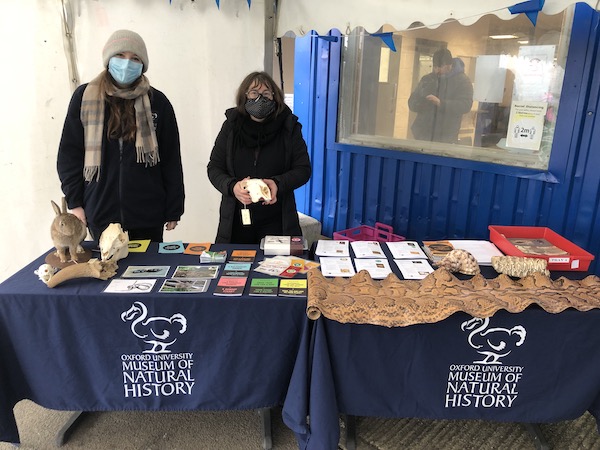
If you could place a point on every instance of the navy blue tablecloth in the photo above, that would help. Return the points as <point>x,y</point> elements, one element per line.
<point>547,370</point>
<point>70,348</point>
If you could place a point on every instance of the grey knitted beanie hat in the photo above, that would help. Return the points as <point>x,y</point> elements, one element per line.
<point>125,41</point>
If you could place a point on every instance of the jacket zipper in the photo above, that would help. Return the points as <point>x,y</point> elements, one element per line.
<point>119,188</point>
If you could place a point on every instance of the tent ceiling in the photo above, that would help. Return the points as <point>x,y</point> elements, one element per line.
<point>298,17</point>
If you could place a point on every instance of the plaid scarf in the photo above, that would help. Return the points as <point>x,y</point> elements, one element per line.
<point>92,118</point>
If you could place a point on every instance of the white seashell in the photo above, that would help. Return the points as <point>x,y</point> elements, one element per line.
<point>461,261</point>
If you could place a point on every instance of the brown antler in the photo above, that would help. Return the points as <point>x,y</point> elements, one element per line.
<point>92,269</point>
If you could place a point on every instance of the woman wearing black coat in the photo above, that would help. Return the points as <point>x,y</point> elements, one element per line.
<point>260,138</point>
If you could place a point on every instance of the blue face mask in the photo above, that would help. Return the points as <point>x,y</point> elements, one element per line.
<point>124,71</point>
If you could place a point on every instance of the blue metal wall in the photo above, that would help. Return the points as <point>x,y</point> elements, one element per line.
<point>429,197</point>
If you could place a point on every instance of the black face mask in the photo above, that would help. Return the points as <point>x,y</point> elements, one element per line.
<point>260,108</point>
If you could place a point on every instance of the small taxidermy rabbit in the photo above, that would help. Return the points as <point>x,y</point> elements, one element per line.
<point>67,232</point>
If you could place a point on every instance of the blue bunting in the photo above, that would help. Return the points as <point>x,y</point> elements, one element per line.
<point>387,38</point>
<point>531,8</point>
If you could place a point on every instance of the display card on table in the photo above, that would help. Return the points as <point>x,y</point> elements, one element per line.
<point>242,256</point>
<point>230,286</point>
<point>236,269</point>
<point>138,246</point>
<point>405,250</point>
<point>367,249</point>
<point>414,269</point>
<point>185,286</point>
<point>130,286</point>
<point>196,248</point>
<point>265,287</point>
<point>378,268</point>
<point>337,267</point>
<point>326,247</point>
<point>187,272</point>
<point>146,271</point>
<point>170,247</point>
<point>293,288</point>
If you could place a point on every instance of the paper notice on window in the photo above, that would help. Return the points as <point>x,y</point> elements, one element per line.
<point>526,124</point>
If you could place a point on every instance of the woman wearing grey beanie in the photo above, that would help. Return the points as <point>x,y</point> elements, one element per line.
<point>119,159</point>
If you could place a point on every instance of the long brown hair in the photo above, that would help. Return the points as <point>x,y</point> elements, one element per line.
<point>256,79</point>
<point>121,117</point>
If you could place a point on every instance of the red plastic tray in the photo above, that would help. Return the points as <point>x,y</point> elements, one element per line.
<point>576,260</point>
<point>381,233</point>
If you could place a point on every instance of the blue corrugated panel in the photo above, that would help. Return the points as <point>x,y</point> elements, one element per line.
<point>427,197</point>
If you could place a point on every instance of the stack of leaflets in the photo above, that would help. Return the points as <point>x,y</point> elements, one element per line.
<point>285,266</point>
<point>213,256</point>
<point>414,269</point>
<point>405,250</point>
<point>332,248</point>
<point>264,287</point>
<point>293,288</point>
<point>242,256</point>
<point>233,279</point>
<point>230,286</point>
<point>236,269</point>
<point>332,266</point>
<point>367,249</point>
<point>378,268</point>
<point>410,259</point>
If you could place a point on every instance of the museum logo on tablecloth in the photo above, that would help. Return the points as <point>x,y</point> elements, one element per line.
<point>486,382</point>
<point>156,371</point>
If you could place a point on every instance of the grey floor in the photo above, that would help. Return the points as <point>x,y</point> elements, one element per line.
<point>242,430</point>
<point>197,430</point>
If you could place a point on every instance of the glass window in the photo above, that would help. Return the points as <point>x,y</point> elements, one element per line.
<point>487,92</point>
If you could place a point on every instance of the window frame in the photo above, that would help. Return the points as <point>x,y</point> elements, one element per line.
<point>569,123</point>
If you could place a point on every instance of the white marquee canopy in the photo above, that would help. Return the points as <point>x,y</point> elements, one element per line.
<point>298,17</point>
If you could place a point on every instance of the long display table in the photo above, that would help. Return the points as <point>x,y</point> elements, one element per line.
<point>531,367</point>
<point>77,348</point>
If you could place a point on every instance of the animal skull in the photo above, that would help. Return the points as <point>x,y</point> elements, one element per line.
<point>45,272</point>
<point>114,243</point>
<point>257,189</point>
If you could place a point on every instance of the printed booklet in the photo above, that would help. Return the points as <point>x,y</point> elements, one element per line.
<point>230,286</point>
<point>265,287</point>
<point>293,288</point>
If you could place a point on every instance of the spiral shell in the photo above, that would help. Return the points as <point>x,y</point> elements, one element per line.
<point>460,261</point>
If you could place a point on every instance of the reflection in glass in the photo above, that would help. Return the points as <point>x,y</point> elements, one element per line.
<point>515,71</point>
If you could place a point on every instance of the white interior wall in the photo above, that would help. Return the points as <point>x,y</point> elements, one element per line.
<point>198,54</point>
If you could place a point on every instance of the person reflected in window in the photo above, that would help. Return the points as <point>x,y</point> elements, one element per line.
<point>260,138</point>
<point>440,99</point>
<point>119,158</point>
